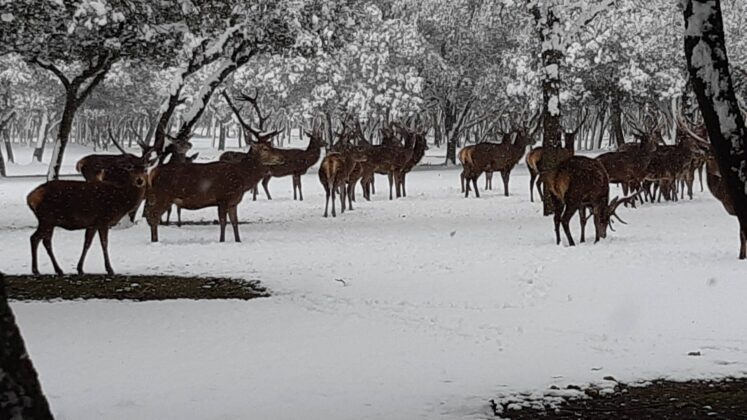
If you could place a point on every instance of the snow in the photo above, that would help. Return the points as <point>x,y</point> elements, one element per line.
<point>444,303</point>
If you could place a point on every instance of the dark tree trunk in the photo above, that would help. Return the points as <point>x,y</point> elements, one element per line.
<point>437,135</point>
<point>9,149</point>
<point>449,123</point>
<point>63,135</point>
<point>222,137</point>
<point>708,65</point>
<point>21,395</point>
<point>616,119</point>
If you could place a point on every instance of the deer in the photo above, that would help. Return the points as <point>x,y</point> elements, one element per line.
<point>91,166</point>
<point>389,158</point>
<point>334,175</point>
<point>717,186</point>
<point>576,184</point>
<point>628,167</point>
<point>297,162</point>
<point>492,157</point>
<point>95,206</point>
<point>199,185</point>
<point>534,156</point>
<point>420,145</point>
<point>188,159</point>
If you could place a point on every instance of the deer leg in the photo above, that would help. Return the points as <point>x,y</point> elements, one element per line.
<point>488,177</point>
<point>700,177</point>
<point>391,184</point>
<point>506,176</point>
<point>265,181</point>
<point>90,232</point>
<point>222,210</point>
<point>40,233</point>
<point>326,201</point>
<point>349,192</point>
<point>743,244</point>
<point>168,217</point>
<point>404,189</point>
<point>178,216</point>
<point>300,191</point>
<point>557,207</point>
<point>104,239</point>
<point>532,178</point>
<point>565,220</point>
<point>582,215</point>
<point>461,178</point>
<point>341,191</point>
<point>234,217</point>
<point>474,184</point>
<point>254,193</point>
<point>539,186</point>
<point>294,187</point>
<point>47,241</point>
<point>333,187</point>
<point>373,184</point>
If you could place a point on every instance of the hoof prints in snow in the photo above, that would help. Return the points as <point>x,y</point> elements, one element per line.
<point>123,287</point>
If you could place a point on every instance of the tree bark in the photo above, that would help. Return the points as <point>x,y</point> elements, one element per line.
<point>550,37</point>
<point>21,395</point>
<point>616,119</point>
<point>708,65</point>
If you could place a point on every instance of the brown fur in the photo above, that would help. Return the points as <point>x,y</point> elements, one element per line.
<point>576,184</point>
<point>717,186</point>
<point>336,173</point>
<point>198,185</point>
<point>493,157</point>
<point>74,205</point>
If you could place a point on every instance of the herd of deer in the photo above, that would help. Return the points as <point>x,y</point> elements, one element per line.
<point>116,185</point>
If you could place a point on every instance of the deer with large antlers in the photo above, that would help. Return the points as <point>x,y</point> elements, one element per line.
<point>577,184</point>
<point>195,186</point>
<point>94,206</point>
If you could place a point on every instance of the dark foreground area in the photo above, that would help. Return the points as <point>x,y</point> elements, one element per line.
<point>122,287</point>
<point>661,399</point>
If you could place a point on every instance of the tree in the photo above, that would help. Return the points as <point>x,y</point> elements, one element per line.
<point>708,65</point>
<point>21,396</point>
<point>79,41</point>
<point>554,37</point>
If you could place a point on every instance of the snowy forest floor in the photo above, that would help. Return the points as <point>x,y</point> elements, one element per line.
<point>423,307</point>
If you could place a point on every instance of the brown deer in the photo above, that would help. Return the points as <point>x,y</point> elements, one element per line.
<point>535,155</point>
<point>334,175</point>
<point>717,186</point>
<point>187,159</point>
<point>198,185</point>
<point>296,163</point>
<point>94,206</point>
<point>389,158</point>
<point>420,145</point>
<point>576,184</point>
<point>628,167</point>
<point>492,157</point>
<point>111,166</point>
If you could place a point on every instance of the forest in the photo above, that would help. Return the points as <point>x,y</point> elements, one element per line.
<point>350,148</point>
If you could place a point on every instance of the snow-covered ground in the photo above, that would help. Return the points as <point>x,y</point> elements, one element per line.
<point>424,307</point>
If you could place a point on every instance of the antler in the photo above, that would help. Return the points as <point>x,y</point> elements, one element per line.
<point>113,140</point>
<point>256,133</point>
<point>685,126</point>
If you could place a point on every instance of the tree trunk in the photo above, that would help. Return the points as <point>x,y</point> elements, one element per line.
<point>222,137</point>
<point>437,135</point>
<point>9,149</point>
<point>21,395</point>
<point>63,134</point>
<point>550,37</point>
<point>708,65</point>
<point>449,123</point>
<point>616,120</point>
